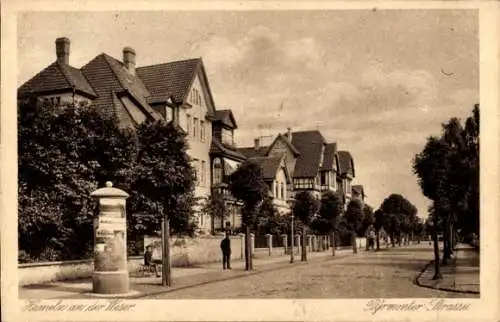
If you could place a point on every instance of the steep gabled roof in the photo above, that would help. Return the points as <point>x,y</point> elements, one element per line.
<point>346,163</point>
<point>310,146</point>
<point>250,152</point>
<point>288,143</point>
<point>329,157</point>
<point>169,79</point>
<point>270,165</point>
<point>226,117</point>
<point>111,80</point>
<point>57,77</point>
<point>174,79</point>
<point>218,148</point>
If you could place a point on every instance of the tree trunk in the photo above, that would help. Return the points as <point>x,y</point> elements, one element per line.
<point>353,241</point>
<point>303,257</point>
<point>248,250</point>
<point>378,239</point>
<point>437,269</point>
<point>393,239</point>
<point>333,243</point>
<point>166,276</point>
<point>446,242</point>
<point>212,225</point>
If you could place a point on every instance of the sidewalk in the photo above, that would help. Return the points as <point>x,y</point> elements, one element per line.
<point>460,275</point>
<point>182,278</point>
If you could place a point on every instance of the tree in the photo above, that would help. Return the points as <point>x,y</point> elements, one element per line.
<point>247,184</point>
<point>267,221</point>
<point>367,222</point>
<point>380,221</point>
<point>65,153</point>
<point>354,218</point>
<point>368,219</point>
<point>434,227</point>
<point>448,174</point>
<point>331,208</point>
<point>164,180</point>
<point>215,207</point>
<point>398,211</point>
<point>306,206</point>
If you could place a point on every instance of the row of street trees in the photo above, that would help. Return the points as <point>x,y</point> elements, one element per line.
<point>66,152</point>
<point>448,174</point>
<point>317,215</point>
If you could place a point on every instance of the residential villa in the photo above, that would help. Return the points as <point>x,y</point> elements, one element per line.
<point>175,91</point>
<point>179,92</point>
<point>313,164</point>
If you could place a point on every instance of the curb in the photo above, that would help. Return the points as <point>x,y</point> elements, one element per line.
<point>445,289</point>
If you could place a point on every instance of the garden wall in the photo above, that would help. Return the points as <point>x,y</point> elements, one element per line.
<point>185,252</point>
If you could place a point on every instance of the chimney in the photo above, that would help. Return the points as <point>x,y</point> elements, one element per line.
<point>256,144</point>
<point>62,50</point>
<point>129,59</point>
<point>289,134</point>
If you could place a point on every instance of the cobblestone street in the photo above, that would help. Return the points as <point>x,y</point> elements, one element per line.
<point>389,273</point>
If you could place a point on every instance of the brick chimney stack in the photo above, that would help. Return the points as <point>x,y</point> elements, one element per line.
<point>62,50</point>
<point>129,59</point>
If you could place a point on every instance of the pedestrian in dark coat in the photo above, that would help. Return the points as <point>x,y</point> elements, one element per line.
<point>225,247</point>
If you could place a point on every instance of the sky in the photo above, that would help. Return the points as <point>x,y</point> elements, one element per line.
<point>377,82</point>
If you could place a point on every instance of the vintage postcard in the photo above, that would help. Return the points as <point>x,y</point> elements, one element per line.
<point>252,160</point>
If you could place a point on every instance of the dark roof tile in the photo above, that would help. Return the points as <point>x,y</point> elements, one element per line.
<point>310,146</point>
<point>250,152</point>
<point>329,157</point>
<point>346,163</point>
<point>226,117</point>
<point>169,79</point>
<point>109,77</point>
<point>218,148</point>
<point>57,76</point>
<point>270,165</point>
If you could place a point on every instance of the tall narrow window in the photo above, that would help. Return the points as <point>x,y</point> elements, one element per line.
<point>282,191</point>
<point>195,126</point>
<point>202,131</point>
<point>203,172</point>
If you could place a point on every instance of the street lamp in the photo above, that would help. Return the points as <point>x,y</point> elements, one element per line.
<point>292,247</point>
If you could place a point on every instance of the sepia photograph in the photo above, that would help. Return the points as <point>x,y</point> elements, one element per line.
<point>316,154</point>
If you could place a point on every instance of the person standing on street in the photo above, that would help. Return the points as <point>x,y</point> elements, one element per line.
<point>225,247</point>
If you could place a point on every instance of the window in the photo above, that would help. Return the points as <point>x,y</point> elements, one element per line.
<point>203,172</point>
<point>282,191</point>
<point>188,123</point>
<point>227,136</point>
<point>217,171</point>
<point>169,113</point>
<point>323,178</point>
<point>195,126</point>
<point>276,190</point>
<point>202,131</point>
